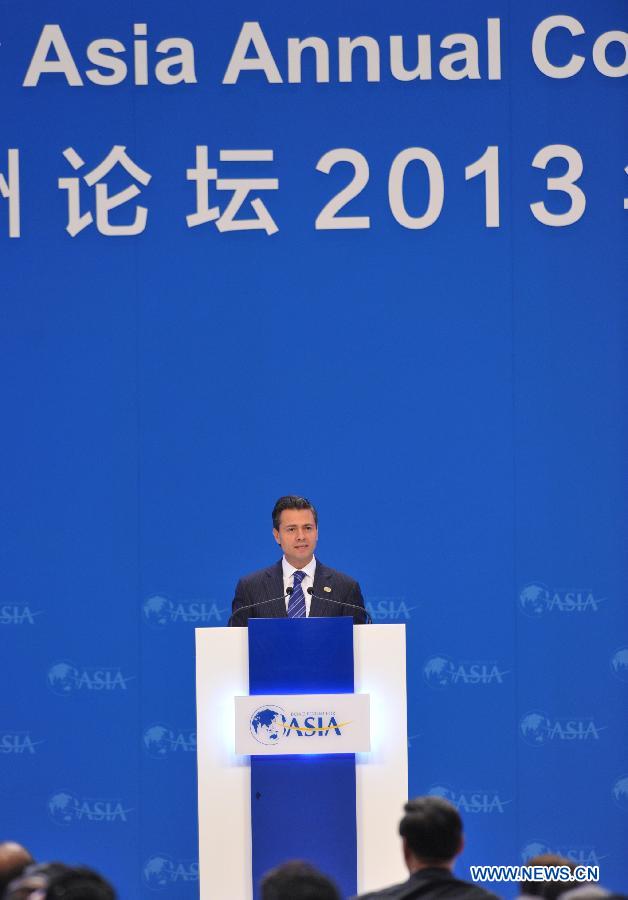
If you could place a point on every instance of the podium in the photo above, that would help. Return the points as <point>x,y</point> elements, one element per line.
<point>336,810</point>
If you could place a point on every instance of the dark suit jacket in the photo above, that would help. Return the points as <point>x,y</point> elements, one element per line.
<point>431,884</point>
<point>267,585</point>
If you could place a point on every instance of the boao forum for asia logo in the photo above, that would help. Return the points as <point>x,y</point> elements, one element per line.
<point>270,725</point>
<point>441,671</point>
<point>581,855</point>
<point>619,664</point>
<point>18,743</point>
<point>471,800</point>
<point>389,609</point>
<point>18,614</point>
<point>67,808</point>
<point>536,599</point>
<point>538,729</point>
<point>65,678</point>
<point>620,792</point>
<point>161,871</point>
<point>159,612</point>
<point>160,741</point>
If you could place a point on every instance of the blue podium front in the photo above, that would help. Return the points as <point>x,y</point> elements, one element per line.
<point>303,807</point>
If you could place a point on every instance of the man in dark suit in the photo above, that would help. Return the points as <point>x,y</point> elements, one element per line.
<point>431,831</point>
<point>298,585</point>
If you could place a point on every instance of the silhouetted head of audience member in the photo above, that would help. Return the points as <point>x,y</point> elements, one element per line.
<point>432,833</point>
<point>13,860</point>
<point>31,883</point>
<point>590,891</point>
<point>56,881</point>
<point>548,889</point>
<point>297,881</point>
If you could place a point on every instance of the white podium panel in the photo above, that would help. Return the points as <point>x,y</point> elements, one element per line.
<point>224,779</point>
<point>379,653</point>
<point>224,802</point>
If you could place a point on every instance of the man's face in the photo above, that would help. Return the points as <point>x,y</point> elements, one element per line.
<point>297,536</point>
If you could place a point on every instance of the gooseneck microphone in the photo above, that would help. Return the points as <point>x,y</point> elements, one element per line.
<point>362,609</point>
<point>252,605</point>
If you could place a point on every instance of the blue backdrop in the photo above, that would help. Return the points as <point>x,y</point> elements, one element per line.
<point>446,384</point>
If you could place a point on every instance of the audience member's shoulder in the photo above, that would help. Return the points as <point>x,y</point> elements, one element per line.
<point>392,891</point>
<point>454,890</point>
<point>479,893</point>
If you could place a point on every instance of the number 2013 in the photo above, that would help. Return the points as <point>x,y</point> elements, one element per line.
<point>487,165</point>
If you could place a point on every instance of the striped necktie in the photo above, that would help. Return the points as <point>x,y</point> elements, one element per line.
<point>296,603</point>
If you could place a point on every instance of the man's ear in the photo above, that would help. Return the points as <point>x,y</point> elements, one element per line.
<point>461,847</point>
<point>276,536</point>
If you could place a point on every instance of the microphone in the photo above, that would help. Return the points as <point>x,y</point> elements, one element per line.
<point>259,603</point>
<point>362,609</point>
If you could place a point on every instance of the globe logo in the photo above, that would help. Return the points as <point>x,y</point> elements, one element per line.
<point>535,729</point>
<point>268,725</point>
<point>619,664</point>
<point>534,848</point>
<point>158,741</point>
<point>437,671</point>
<point>158,872</point>
<point>157,611</point>
<point>440,791</point>
<point>620,791</point>
<point>533,600</point>
<point>62,678</point>
<point>62,808</point>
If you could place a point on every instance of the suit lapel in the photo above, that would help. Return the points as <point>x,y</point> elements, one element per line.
<point>274,588</point>
<point>323,584</point>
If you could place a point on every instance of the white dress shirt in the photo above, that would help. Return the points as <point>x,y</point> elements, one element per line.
<point>308,580</point>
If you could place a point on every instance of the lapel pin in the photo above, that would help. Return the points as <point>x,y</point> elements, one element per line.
<point>328,589</point>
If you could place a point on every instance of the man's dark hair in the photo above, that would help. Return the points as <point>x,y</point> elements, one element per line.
<point>291,502</point>
<point>80,883</point>
<point>297,881</point>
<point>61,882</point>
<point>432,828</point>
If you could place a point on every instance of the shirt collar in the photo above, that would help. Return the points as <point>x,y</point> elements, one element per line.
<point>289,570</point>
